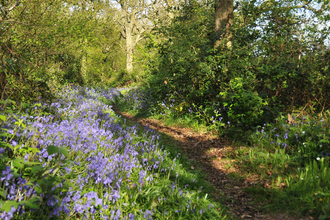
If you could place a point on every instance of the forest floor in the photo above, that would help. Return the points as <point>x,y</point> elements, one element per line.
<point>209,152</point>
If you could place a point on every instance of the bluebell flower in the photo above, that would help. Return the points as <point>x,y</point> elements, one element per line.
<point>286,136</point>
<point>6,174</point>
<point>2,150</point>
<point>131,216</point>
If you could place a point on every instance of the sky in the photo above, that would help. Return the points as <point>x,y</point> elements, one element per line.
<point>313,22</point>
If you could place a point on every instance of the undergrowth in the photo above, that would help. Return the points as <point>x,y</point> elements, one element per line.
<point>290,156</point>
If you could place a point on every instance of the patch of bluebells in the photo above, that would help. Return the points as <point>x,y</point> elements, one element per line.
<point>138,99</point>
<point>110,156</point>
<point>295,137</point>
<point>106,158</point>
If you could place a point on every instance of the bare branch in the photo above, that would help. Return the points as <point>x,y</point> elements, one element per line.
<point>14,5</point>
<point>18,22</point>
<point>303,5</point>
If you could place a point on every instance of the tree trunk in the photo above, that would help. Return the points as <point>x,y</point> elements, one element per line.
<point>129,61</point>
<point>224,20</point>
<point>129,50</point>
<point>83,69</point>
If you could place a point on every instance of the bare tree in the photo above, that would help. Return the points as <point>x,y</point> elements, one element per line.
<point>135,18</point>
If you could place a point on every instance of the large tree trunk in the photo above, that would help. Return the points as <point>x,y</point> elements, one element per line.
<point>129,61</point>
<point>224,20</point>
<point>129,50</point>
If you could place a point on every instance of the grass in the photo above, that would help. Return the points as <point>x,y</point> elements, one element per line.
<point>291,160</point>
<point>131,103</point>
<point>75,158</point>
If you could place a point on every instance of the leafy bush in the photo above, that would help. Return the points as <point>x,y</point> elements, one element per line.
<point>243,106</point>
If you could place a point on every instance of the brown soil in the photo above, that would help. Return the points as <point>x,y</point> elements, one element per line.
<point>210,151</point>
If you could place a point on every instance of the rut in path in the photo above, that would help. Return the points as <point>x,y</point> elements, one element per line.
<point>197,148</point>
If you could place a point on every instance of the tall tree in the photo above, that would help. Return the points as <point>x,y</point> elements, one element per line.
<point>224,13</point>
<point>135,18</point>
<point>224,20</point>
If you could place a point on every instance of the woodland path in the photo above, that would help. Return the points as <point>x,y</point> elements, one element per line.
<point>196,146</point>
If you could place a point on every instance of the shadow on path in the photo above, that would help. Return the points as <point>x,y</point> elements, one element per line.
<point>210,152</point>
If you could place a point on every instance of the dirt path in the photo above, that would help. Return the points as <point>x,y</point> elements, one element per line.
<point>210,151</point>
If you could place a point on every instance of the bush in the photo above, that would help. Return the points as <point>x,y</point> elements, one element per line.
<point>244,107</point>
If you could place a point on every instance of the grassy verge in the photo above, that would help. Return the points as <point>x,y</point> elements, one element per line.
<point>289,160</point>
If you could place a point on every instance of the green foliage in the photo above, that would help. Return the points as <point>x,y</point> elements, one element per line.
<point>244,107</point>
<point>182,69</point>
<point>38,178</point>
<point>71,69</point>
<point>189,70</point>
<point>294,159</point>
<point>64,46</point>
<point>123,78</point>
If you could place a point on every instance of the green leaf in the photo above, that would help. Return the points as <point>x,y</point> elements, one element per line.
<point>18,163</point>
<point>3,144</point>
<point>324,141</point>
<point>31,204</point>
<point>51,149</point>
<point>3,117</point>
<point>38,189</point>
<point>64,151</point>
<point>322,194</point>
<point>36,168</point>
<point>37,105</point>
<point>31,163</point>
<point>5,135</point>
<point>8,204</point>
<point>2,193</point>
<point>16,175</point>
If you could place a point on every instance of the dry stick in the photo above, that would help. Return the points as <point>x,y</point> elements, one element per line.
<point>312,108</point>
<point>302,110</point>
<point>323,110</point>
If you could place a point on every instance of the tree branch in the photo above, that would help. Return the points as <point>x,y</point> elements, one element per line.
<point>14,5</point>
